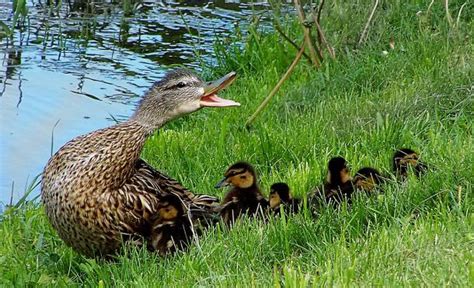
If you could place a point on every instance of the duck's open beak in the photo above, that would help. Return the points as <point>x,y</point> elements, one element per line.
<point>222,183</point>
<point>210,98</point>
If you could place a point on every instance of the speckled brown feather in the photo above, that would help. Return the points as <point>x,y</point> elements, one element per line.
<point>96,191</point>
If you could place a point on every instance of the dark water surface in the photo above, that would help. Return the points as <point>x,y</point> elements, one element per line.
<point>73,73</point>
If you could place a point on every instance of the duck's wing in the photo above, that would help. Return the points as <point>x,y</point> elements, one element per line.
<point>164,184</point>
<point>133,207</point>
<point>202,209</point>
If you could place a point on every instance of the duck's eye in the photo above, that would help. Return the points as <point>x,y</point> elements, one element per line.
<point>243,177</point>
<point>181,85</point>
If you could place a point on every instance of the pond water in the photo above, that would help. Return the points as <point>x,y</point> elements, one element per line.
<point>70,72</point>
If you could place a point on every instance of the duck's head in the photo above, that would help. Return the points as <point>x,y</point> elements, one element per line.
<point>178,93</point>
<point>367,178</point>
<point>240,175</point>
<point>403,158</point>
<point>279,193</point>
<point>170,208</point>
<point>338,171</point>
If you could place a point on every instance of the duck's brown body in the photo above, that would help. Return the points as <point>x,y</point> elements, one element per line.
<point>95,189</point>
<point>104,193</point>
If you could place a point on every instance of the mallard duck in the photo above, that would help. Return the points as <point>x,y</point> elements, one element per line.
<point>281,198</point>
<point>244,198</point>
<point>172,230</point>
<point>404,158</point>
<point>367,179</point>
<point>96,190</point>
<point>338,183</point>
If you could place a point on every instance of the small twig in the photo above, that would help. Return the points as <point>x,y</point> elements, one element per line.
<point>317,19</point>
<point>190,219</point>
<point>459,194</point>
<point>277,86</point>
<point>363,36</point>
<point>321,38</point>
<point>459,14</point>
<point>320,8</point>
<point>52,137</point>
<point>448,15</point>
<point>428,10</point>
<point>282,33</point>
<point>12,192</point>
<point>114,119</point>
<point>307,33</point>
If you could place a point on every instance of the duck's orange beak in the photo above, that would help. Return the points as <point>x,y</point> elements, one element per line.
<point>210,98</point>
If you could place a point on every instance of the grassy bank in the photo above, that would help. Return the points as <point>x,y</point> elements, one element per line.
<point>361,106</point>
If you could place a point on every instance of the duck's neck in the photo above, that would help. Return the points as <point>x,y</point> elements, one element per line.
<point>254,189</point>
<point>152,114</point>
<point>150,123</point>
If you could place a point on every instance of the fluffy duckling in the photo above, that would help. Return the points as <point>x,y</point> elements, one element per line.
<point>244,198</point>
<point>338,184</point>
<point>404,158</point>
<point>280,195</point>
<point>172,230</point>
<point>367,179</point>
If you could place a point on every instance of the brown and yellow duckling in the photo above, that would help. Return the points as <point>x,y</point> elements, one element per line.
<point>338,183</point>
<point>281,198</point>
<point>244,198</point>
<point>367,179</point>
<point>172,230</point>
<point>97,191</point>
<point>405,159</point>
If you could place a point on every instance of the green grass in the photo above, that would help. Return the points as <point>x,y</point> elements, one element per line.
<point>361,106</point>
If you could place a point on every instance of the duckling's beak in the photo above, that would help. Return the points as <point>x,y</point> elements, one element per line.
<point>210,98</point>
<point>222,183</point>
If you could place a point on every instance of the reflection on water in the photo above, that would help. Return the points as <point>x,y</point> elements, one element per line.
<point>84,70</point>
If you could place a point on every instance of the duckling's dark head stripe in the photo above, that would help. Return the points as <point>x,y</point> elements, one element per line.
<point>283,191</point>
<point>240,167</point>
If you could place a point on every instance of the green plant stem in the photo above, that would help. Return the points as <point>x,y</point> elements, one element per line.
<point>277,86</point>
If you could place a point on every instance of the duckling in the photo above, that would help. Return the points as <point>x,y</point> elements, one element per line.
<point>172,230</point>
<point>280,195</point>
<point>244,198</point>
<point>97,191</point>
<point>338,184</point>
<point>367,179</point>
<point>404,158</point>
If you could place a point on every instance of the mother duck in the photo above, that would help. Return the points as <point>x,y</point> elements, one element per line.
<point>96,190</point>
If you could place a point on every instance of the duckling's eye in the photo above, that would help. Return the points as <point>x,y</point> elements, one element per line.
<point>243,177</point>
<point>181,85</point>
